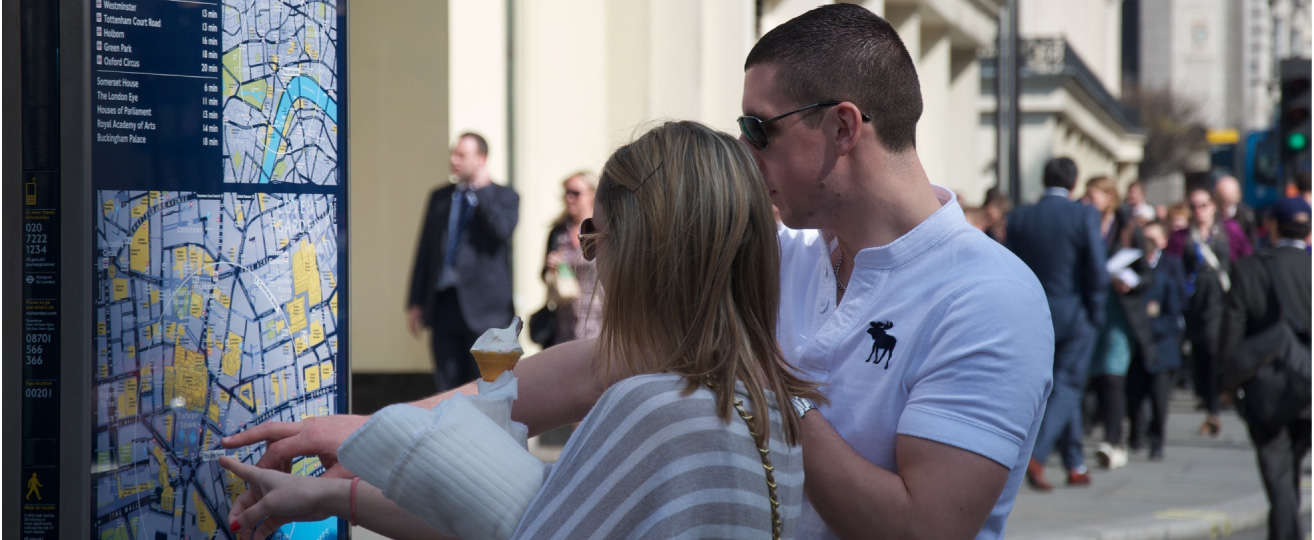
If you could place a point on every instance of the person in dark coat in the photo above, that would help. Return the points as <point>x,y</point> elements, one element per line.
<point>461,282</point>
<point>1207,248</point>
<point>1253,306</point>
<point>1157,327</point>
<point>1059,239</point>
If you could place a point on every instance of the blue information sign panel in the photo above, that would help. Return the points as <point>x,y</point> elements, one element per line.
<point>220,274</point>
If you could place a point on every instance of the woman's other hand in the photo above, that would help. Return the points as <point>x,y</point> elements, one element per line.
<point>274,498</point>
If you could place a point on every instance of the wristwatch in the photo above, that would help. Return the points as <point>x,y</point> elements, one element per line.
<point>802,405</point>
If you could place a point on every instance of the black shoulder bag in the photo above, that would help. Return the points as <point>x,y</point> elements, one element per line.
<point>1271,369</point>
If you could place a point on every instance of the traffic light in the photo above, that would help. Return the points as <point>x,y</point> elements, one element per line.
<point>1294,119</point>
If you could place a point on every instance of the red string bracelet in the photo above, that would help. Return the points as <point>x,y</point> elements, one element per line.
<point>352,516</point>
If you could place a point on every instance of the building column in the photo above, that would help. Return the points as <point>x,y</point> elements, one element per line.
<point>399,78</point>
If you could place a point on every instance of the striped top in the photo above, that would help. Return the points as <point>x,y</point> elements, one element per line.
<point>648,462</point>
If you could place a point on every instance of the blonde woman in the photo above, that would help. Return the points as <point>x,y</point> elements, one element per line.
<point>579,317</point>
<point>695,434</point>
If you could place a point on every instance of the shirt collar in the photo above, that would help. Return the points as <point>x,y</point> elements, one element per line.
<point>1058,192</point>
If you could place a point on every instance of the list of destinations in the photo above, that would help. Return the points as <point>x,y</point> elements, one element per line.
<point>155,106</point>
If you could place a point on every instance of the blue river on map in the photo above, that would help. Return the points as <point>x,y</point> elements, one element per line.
<point>300,87</point>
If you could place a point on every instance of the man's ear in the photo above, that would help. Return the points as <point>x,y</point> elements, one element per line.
<point>847,128</point>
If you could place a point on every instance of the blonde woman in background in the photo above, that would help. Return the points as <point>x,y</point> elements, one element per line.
<point>579,317</point>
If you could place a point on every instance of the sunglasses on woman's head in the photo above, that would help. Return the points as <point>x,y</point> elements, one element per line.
<point>754,128</point>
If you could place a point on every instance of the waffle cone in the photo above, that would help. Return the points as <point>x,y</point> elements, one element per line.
<point>492,364</point>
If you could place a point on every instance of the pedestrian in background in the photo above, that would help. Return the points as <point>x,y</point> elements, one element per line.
<point>461,281</point>
<point>1151,373</point>
<point>1059,239</point>
<point>1227,191</point>
<point>571,279</point>
<point>1273,288</point>
<point>1114,345</point>
<point>1207,248</point>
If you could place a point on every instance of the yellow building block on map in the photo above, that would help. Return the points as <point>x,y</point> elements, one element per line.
<point>305,272</point>
<point>194,258</point>
<point>104,370</point>
<point>170,328</point>
<point>312,378</point>
<point>128,399</point>
<point>225,300</point>
<point>155,295</point>
<point>111,272</point>
<point>204,520</point>
<point>260,199</point>
<point>131,351</point>
<point>139,209</point>
<point>125,452</point>
<point>154,198</point>
<point>296,313</point>
<point>316,333</point>
<point>107,207</point>
<point>120,289</point>
<point>231,364</point>
<point>139,253</point>
<point>166,495</point>
<point>196,306</point>
<point>236,486</point>
<point>145,375</point>
<point>333,304</point>
<point>325,371</point>
<point>100,328</point>
<point>214,414</point>
<point>118,532</point>
<point>301,345</point>
<point>168,426</point>
<point>244,394</point>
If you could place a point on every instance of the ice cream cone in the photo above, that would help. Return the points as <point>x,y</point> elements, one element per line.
<point>498,350</point>
<point>492,364</point>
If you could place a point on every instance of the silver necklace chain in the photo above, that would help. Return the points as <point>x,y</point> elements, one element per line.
<point>839,285</point>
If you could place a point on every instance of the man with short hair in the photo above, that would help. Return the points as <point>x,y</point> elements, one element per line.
<point>1060,240</point>
<point>461,282</point>
<point>933,342</point>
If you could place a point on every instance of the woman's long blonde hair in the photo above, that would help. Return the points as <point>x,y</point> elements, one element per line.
<point>692,269</point>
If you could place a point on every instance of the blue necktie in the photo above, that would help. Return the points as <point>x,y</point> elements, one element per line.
<point>455,228</point>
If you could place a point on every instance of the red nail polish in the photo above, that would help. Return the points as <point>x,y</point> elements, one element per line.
<point>235,526</point>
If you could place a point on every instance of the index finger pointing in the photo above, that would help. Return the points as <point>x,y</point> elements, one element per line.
<point>268,431</point>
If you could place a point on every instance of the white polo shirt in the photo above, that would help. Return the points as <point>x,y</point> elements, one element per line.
<point>942,334</point>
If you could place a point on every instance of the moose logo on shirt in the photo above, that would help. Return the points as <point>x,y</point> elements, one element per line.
<point>882,344</point>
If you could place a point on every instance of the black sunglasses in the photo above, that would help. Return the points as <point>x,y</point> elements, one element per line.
<point>588,239</point>
<point>754,128</point>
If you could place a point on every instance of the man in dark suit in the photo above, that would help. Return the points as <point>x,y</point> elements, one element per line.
<point>1060,240</point>
<point>1253,305</point>
<point>461,284</point>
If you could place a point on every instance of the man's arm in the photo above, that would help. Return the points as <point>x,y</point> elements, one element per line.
<point>1094,274</point>
<point>940,492</point>
<point>420,280</point>
<point>557,386</point>
<point>498,211</point>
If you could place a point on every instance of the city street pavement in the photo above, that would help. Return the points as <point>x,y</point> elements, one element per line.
<point>1206,487</point>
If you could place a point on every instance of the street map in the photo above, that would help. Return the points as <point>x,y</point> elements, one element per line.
<point>280,92</point>
<point>213,313</point>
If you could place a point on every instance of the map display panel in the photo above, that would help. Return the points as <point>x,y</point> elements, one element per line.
<point>218,168</point>
<point>279,84</point>
<point>213,313</point>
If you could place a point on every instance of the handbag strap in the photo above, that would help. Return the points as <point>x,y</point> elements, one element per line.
<point>766,465</point>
